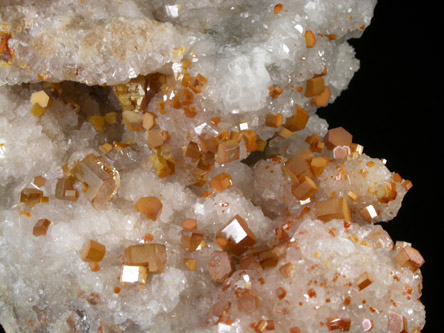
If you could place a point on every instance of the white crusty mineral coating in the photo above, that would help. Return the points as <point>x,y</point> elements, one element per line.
<point>241,48</point>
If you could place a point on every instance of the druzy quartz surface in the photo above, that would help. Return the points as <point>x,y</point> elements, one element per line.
<point>163,169</point>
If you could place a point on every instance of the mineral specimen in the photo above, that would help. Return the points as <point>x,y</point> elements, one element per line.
<point>170,160</point>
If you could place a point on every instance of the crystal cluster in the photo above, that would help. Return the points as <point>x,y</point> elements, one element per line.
<point>128,195</point>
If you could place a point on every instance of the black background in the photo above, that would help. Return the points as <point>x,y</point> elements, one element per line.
<point>392,108</point>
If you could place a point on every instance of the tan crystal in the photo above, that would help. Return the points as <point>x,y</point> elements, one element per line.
<point>352,196</point>
<point>31,196</point>
<point>298,121</point>
<point>93,251</point>
<point>227,152</point>
<point>363,280</point>
<point>310,39</point>
<point>153,256</point>
<point>38,111</point>
<point>305,189</point>
<point>65,189</point>
<point>410,258</point>
<point>101,178</point>
<point>235,236</point>
<point>336,323</point>
<point>41,98</point>
<point>198,84</point>
<point>191,240</point>
<point>148,120</point>
<point>156,138</point>
<point>321,99</point>
<point>274,120</point>
<point>133,120</point>
<point>315,86</point>
<point>396,323</point>
<point>250,137</point>
<point>247,303</point>
<point>191,264</point>
<point>274,91</point>
<point>368,213</point>
<point>151,207</point>
<point>318,165</point>
<point>208,144</point>
<point>132,95</point>
<point>39,181</point>
<point>285,133</point>
<point>299,165</point>
<point>98,122</point>
<point>386,193</point>
<point>332,209</point>
<point>41,227</point>
<point>221,266</point>
<point>192,150</point>
<point>337,137</point>
<point>111,118</point>
<point>189,224</point>
<point>221,182</point>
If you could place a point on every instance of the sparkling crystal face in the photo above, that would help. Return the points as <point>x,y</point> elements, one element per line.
<point>235,236</point>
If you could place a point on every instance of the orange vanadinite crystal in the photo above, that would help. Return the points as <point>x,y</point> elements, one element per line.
<point>65,189</point>
<point>148,120</point>
<point>133,120</point>
<point>93,251</point>
<point>338,137</point>
<point>6,54</point>
<point>192,150</point>
<point>299,165</point>
<point>221,182</point>
<point>274,120</point>
<point>191,264</point>
<point>315,86</point>
<point>322,98</point>
<point>191,240</point>
<point>250,137</point>
<point>41,227</point>
<point>305,189</point>
<point>227,151</point>
<point>31,196</point>
<point>152,256</point>
<point>101,178</point>
<point>221,266</point>
<point>363,280</point>
<point>278,8</point>
<point>98,122</point>
<point>336,323</point>
<point>298,121</point>
<point>235,236</point>
<point>156,138</point>
<point>39,181</point>
<point>247,303</point>
<point>189,224</point>
<point>333,209</point>
<point>410,258</point>
<point>310,39</point>
<point>274,91</point>
<point>318,165</point>
<point>151,207</point>
<point>198,84</point>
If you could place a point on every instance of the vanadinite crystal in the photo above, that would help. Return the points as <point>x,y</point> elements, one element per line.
<point>164,170</point>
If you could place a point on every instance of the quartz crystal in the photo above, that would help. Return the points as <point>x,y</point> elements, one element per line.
<point>162,160</point>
